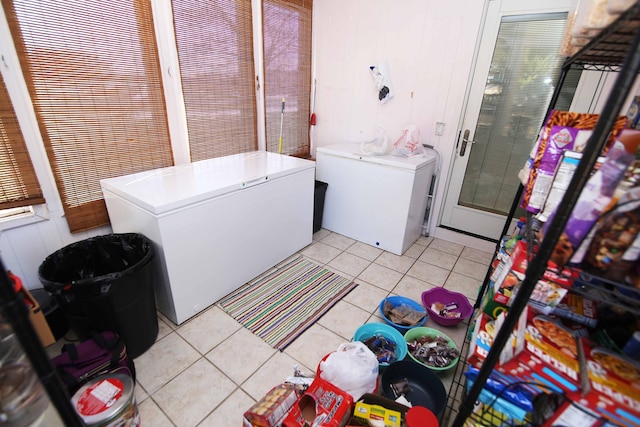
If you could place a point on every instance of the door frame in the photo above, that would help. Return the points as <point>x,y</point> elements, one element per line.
<point>472,101</point>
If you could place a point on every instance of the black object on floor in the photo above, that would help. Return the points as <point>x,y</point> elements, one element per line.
<point>106,283</point>
<point>318,204</point>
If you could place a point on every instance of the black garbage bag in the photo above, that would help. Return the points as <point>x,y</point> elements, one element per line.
<point>106,283</point>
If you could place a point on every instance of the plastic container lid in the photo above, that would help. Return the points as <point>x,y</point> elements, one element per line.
<point>106,398</point>
<point>419,416</point>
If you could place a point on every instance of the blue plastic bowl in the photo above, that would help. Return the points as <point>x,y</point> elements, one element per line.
<point>397,301</point>
<point>369,330</point>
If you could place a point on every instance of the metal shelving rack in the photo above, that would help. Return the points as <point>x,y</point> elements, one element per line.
<point>616,48</point>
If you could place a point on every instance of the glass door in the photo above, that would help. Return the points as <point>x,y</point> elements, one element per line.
<point>516,69</point>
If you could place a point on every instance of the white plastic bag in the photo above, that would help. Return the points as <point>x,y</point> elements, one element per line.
<point>379,146</point>
<point>409,144</point>
<point>352,368</point>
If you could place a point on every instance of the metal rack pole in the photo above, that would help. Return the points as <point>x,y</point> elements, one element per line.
<point>538,264</point>
<point>505,230</point>
<point>16,313</point>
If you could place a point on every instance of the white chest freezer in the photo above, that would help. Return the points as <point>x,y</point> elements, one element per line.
<point>217,223</point>
<point>378,200</point>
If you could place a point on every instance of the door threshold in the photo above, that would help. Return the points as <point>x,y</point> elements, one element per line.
<point>465,238</point>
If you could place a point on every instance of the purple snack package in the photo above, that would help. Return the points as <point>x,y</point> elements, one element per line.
<point>561,138</point>
<point>595,197</point>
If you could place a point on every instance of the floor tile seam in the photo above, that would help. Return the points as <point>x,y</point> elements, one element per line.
<point>355,306</point>
<point>399,271</point>
<point>161,410</point>
<point>426,281</point>
<point>236,387</point>
<point>339,247</point>
<point>200,356</point>
<point>358,281</point>
<point>356,255</point>
<point>465,275</point>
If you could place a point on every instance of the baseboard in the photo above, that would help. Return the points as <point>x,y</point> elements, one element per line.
<point>465,239</point>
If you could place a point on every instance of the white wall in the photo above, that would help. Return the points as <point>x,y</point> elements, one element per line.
<point>428,46</point>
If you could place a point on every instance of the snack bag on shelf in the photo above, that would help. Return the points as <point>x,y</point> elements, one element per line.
<point>595,197</point>
<point>563,130</point>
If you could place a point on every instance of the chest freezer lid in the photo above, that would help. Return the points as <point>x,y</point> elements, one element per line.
<point>351,150</point>
<point>165,189</point>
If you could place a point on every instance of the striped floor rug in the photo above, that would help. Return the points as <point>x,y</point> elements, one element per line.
<point>279,305</point>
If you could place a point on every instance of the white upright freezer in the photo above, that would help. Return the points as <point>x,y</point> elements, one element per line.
<point>216,223</point>
<point>378,200</point>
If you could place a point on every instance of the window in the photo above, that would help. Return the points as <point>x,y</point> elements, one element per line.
<point>93,77</point>
<point>19,185</point>
<point>215,48</point>
<point>92,70</point>
<point>287,69</point>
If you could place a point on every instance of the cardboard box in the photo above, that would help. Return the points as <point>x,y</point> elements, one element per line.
<point>481,340</point>
<point>553,343</point>
<point>37,319</point>
<point>378,401</point>
<point>548,291</point>
<point>613,376</point>
<point>368,411</point>
<point>534,369</point>
<point>579,309</point>
<point>272,408</point>
<point>322,405</point>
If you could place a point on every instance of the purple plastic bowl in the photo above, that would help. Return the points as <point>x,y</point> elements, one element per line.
<point>445,296</point>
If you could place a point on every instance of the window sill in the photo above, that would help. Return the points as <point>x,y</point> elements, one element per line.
<point>39,214</point>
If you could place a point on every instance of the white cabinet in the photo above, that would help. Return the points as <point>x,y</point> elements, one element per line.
<point>378,200</point>
<point>217,223</point>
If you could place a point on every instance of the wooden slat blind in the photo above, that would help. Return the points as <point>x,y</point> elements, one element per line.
<point>18,182</point>
<point>287,68</point>
<point>93,76</point>
<point>215,50</point>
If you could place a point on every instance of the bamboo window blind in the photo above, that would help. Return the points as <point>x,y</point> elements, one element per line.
<point>18,182</point>
<point>287,69</point>
<point>215,49</point>
<point>93,75</point>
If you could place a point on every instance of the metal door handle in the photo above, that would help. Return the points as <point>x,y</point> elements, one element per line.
<point>465,140</point>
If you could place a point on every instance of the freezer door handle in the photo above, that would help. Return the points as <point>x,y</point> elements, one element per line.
<point>255,181</point>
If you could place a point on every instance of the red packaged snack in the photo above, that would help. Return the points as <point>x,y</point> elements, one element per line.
<point>322,405</point>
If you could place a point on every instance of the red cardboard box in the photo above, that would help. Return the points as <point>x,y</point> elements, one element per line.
<point>483,333</point>
<point>615,378</point>
<point>534,369</point>
<point>552,342</point>
<point>549,290</point>
<point>322,405</point>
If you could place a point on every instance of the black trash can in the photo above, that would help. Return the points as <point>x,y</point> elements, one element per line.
<point>318,204</point>
<point>105,283</point>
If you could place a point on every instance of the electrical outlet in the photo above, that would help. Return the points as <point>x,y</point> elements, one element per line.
<point>439,128</point>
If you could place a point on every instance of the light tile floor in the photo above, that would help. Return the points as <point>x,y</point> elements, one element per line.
<point>209,370</point>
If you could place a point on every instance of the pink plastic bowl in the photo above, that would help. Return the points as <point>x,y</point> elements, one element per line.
<point>445,296</point>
